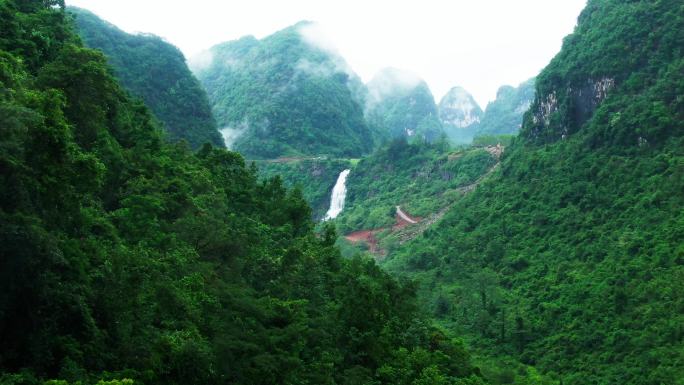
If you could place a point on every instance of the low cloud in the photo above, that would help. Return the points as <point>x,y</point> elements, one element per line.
<point>391,81</point>
<point>314,34</point>
<point>205,59</point>
<point>201,61</point>
<point>325,69</point>
<point>232,134</point>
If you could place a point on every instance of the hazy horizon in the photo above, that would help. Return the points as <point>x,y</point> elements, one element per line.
<point>478,45</point>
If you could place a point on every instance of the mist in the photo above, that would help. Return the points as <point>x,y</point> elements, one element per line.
<point>230,135</point>
<point>479,45</point>
<point>390,82</point>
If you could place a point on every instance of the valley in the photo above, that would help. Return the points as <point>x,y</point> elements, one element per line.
<point>405,226</point>
<point>261,214</point>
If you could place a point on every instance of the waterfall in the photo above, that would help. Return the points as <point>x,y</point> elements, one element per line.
<point>339,193</point>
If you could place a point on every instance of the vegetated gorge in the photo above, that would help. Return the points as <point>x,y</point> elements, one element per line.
<point>268,218</point>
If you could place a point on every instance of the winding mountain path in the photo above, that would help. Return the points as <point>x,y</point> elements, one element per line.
<point>405,217</point>
<point>403,229</point>
<point>408,234</point>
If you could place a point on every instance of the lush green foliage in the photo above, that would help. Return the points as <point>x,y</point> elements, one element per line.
<point>571,257</point>
<point>639,65</point>
<point>396,109</point>
<point>314,177</point>
<point>124,258</point>
<point>422,178</point>
<point>504,115</point>
<point>155,71</point>
<point>493,140</point>
<point>282,96</point>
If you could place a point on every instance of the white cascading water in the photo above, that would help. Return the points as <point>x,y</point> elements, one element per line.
<point>339,193</point>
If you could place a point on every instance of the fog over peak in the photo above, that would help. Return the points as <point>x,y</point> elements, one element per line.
<point>397,76</point>
<point>200,61</point>
<point>392,81</point>
<point>477,44</point>
<point>314,34</point>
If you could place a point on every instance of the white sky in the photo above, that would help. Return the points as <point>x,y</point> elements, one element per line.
<point>477,44</point>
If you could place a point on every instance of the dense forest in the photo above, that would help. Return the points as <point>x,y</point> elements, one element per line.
<point>125,259</point>
<point>570,258</point>
<point>538,242</point>
<point>155,71</point>
<point>299,99</point>
<point>314,177</point>
<point>399,104</point>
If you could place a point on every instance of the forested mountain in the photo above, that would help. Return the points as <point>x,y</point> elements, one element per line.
<point>460,115</point>
<point>504,115</point>
<point>570,258</point>
<point>124,259</point>
<point>463,119</point>
<point>400,104</point>
<point>285,95</point>
<point>155,71</point>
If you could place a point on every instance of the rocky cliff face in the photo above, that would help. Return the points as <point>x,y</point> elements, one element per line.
<point>611,68</point>
<point>459,114</point>
<point>584,99</point>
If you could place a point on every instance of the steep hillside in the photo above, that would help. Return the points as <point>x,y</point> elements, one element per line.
<point>155,71</point>
<point>126,260</point>
<point>285,95</point>
<point>422,178</point>
<point>460,115</point>
<point>571,257</point>
<point>400,104</point>
<point>504,115</point>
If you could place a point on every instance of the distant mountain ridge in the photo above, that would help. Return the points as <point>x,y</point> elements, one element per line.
<point>460,114</point>
<point>400,104</point>
<point>155,71</point>
<point>504,115</point>
<point>288,94</point>
<point>463,119</point>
